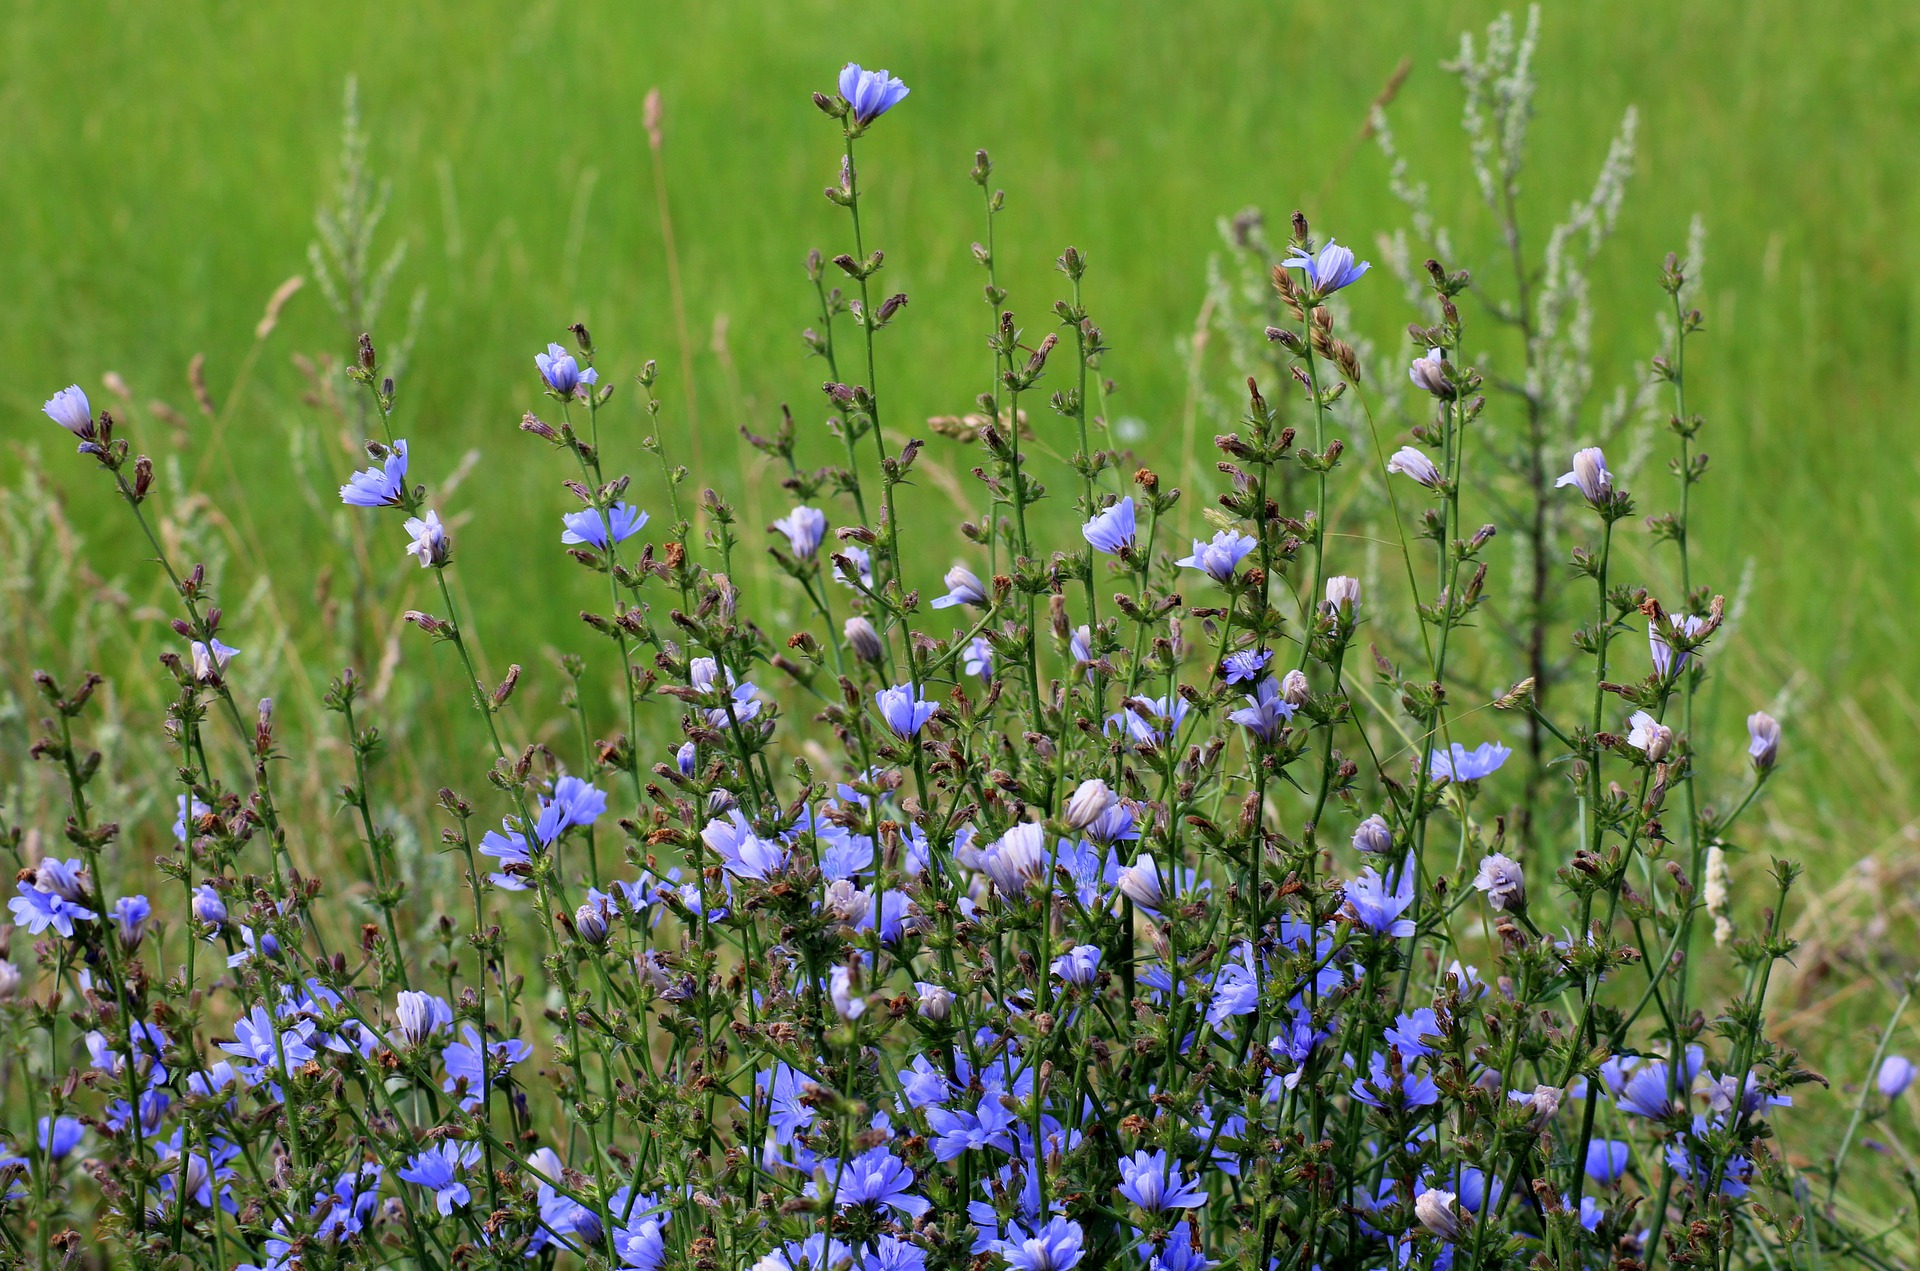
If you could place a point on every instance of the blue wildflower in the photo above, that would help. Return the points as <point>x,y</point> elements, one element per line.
<point>963,588</point>
<point>420,1016</point>
<point>1896,1074</point>
<point>1607,1160</point>
<point>598,529</point>
<point>1376,903</point>
<point>903,709</point>
<point>1461,764</point>
<point>385,486</point>
<point>70,409</point>
<point>463,1060</point>
<point>1246,664</point>
<point>130,914</point>
<point>1409,1030</point>
<point>876,1177</point>
<point>1150,722</point>
<point>804,528</point>
<point>1054,1247</point>
<point>430,545</point>
<point>562,374</point>
<point>1112,531</point>
<point>60,1135</point>
<point>1078,966</point>
<point>870,94</point>
<point>574,803</point>
<point>1221,557</point>
<point>1265,711</point>
<point>1149,1181</point>
<point>1378,1088</point>
<point>1329,271</point>
<point>438,1170</point>
<point>978,658</point>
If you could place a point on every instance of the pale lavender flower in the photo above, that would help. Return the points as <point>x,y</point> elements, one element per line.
<point>1343,595</point>
<point>863,639</point>
<point>846,1003</point>
<point>130,914</point>
<point>933,1002</point>
<point>1221,557</point>
<point>685,758</point>
<point>1430,373</point>
<point>1435,1210</point>
<point>1590,475</point>
<point>978,658</point>
<point>1666,662</point>
<point>804,528</point>
<point>385,486</point>
<point>1763,745</point>
<point>1461,764</point>
<point>1017,860</point>
<point>862,563</point>
<point>1650,735</point>
<point>597,529</point>
<point>574,803</point>
<point>562,373</point>
<point>1333,268</point>
<point>1149,722</point>
<point>1374,837</point>
<point>421,1015</point>
<point>1896,1074</point>
<point>1091,800</point>
<point>462,1060</point>
<point>210,658</point>
<point>1081,645</point>
<point>69,409</point>
<point>1607,1160</point>
<point>1505,886</point>
<point>1409,462</point>
<point>870,94</point>
<point>903,709</point>
<point>208,908</point>
<point>963,588</point>
<point>430,543</point>
<point>1140,883</point>
<point>1112,531</point>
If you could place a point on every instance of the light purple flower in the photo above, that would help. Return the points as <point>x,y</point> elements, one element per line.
<point>1057,1246</point>
<point>862,562</point>
<point>1246,664</point>
<point>385,486</point>
<point>1112,530</point>
<point>591,526</point>
<point>574,803</point>
<point>804,528</point>
<point>876,1177</point>
<point>1590,475</point>
<point>562,374</point>
<point>963,588</point>
<point>1149,722</point>
<point>1430,373</point>
<point>1896,1074</point>
<point>421,1015</point>
<point>210,658</point>
<point>1078,966</point>
<point>130,914</point>
<point>1665,661</point>
<point>1763,744</point>
<point>1374,837</point>
<point>1221,557</point>
<point>870,94</point>
<point>430,543</point>
<point>69,409</point>
<point>978,658</point>
<point>1329,271</point>
<point>1265,711</point>
<point>1505,886</point>
<point>1409,462</point>
<point>463,1058</point>
<point>1461,764</point>
<point>1607,1160</point>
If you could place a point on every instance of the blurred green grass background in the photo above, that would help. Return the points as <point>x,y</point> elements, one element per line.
<point>164,161</point>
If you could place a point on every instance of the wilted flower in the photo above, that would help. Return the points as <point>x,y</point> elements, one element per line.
<point>1500,878</point>
<point>870,94</point>
<point>596,529</point>
<point>430,542</point>
<point>804,528</point>
<point>963,588</point>
<point>1763,745</point>
<point>1295,689</point>
<point>903,709</point>
<point>1409,462</point>
<point>840,989</point>
<point>562,374</point>
<point>1112,531</point>
<point>1221,557</point>
<point>1329,271</point>
<point>1140,883</point>
<point>1649,734</point>
<point>1896,1074</point>
<point>385,486</point>
<point>421,1015</point>
<point>934,1002</point>
<point>1461,764</point>
<point>1591,475</point>
<point>1374,837</point>
<point>69,409</point>
<point>1090,801</point>
<point>1430,373</point>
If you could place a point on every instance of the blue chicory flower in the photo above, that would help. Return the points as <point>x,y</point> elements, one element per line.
<point>1219,558</point>
<point>562,373</point>
<point>804,528</point>
<point>69,409</point>
<point>1329,271</point>
<point>1377,903</point>
<point>1112,531</point>
<point>598,529</point>
<point>870,94</point>
<point>1461,764</point>
<point>438,1170</point>
<point>963,588</point>
<point>903,709</point>
<point>385,486</point>
<point>1149,1181</point>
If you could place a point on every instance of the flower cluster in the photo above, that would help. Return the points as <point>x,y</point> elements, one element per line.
<point>1084,909</point>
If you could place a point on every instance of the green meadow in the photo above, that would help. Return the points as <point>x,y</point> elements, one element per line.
<point>164,162</point>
